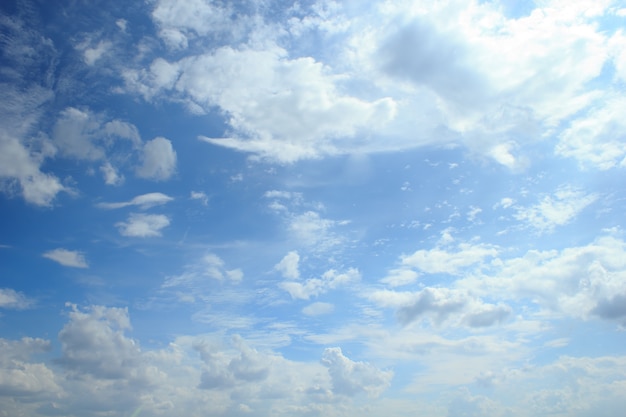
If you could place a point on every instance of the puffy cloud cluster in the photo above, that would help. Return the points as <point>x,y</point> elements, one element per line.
<point>402,76</point>
<point>103,370</point>
<point>312,287</point>
<point>66,257</point>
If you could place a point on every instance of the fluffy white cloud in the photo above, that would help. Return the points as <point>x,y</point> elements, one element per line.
<point>289,265</point>
<point>21,379</point>
<point>400,276</point>
<point>93,342</point>
<point>111,175</point>
<point>597,138</point>
<point>312,287</point>
<point>557,210</point>
<point>199,195</point>
<point>318,309</point>
<point>11,299</point>
<point>441,260</point>
<point>66,257</point>
<point>143,225</point>
<point>158,159</point>
<point>584,281</point>
<point>143,201</point>
<point>178,22</point>
<point>91,55</point>
<point>193,281</point>
<point>351,378</point>
<point>279,108</point>
<point>441,305</point>
<point>83,135</point>
<point>22,149</point>
<point>310,229</point>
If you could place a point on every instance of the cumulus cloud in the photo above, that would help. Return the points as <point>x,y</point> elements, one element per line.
<point>400,276</point>
<point>143,225</point>
<point>93,342</point>
<point>289,265</point>
<point>597,138</point>
<point>441,305</point>
<point>84,135</point>
<point>11,299</point>
<point>22,379</point>
<point>193,281</point>
<point>23,151</point>
<point>201,196</point>
<point>66,257</point>
<point>260,90</point>
<point>312,287</point>
<point>581,281</point>
<point>557,209</point>
<point>143,201</point>
<point>158,159</point>
<point>318,309</point>
<point>351,378</point>
<point>311,229</point>
<point>441,260</point>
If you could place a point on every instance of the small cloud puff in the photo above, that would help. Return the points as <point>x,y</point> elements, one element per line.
<point>143,225</point>
<point>143,201</point>
<point>66,257</point>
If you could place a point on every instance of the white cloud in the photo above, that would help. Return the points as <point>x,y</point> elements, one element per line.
<point>20,378</point>
<point>143,225</point>
<point>144,201</point>
<point>441,305</point>
<point>11,299</point>
<point>312,287</point>
<point>597,138</point>
<point>92,55</point>
<point>29,58</point>
<point>289,265</point>
<point>66,257</point>
<point>193,279</point>
<point>199,195</point>
<point>280,109</point>
<point>440,260</point>
<point>158,160</point>
<point>310,229</point>
<point>178,22</point>
<point>557,210</point>
<point>400,276</point>
<point>77,133</point>
<point>17,163</point>
<point>318,309</point>
<point>584,282</point>
<point>94,343</point>
<point>111,175</point>
<point>351,378</point>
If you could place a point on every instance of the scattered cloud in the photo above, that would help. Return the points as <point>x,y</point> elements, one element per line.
<point>584,281</point>
<point>289,265</point>
<point>199,195</point>
<point>400,276</point>
<point>111,175</point>
<point>14,300</point>
<point>441,260</point>
<point>318,309</point>
<point>158,159</point>
<point>312,287</point>
<point>144,201</point>
<point>66,257</point>
<point>556,210</point>
<point>143,225</point>
<point>351,378</point>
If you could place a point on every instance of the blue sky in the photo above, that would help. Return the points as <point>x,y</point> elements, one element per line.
<point>263,208</point>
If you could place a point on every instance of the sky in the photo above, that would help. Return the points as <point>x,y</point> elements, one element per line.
<point>312,208</point>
